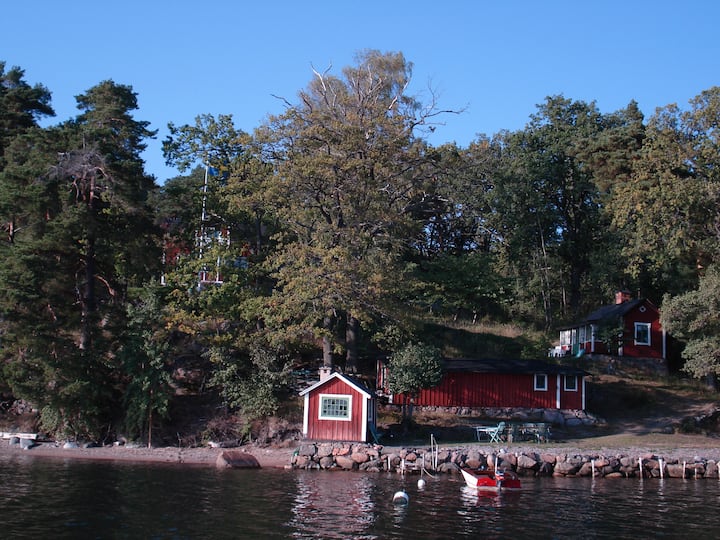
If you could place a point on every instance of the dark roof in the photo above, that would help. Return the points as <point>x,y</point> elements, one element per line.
<point>352,381</point>
<point>613,310</point>
<point>610,312</point>
<point>492,365</point>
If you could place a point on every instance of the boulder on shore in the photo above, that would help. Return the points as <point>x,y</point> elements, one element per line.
<point>234,459</point>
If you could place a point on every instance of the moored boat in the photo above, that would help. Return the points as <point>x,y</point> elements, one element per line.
<point>491,480</point>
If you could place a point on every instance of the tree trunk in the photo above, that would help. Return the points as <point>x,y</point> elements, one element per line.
<point>351,344</point>
<point>327,343</point>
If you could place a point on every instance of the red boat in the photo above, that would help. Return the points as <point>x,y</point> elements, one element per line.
<point>491,481</point>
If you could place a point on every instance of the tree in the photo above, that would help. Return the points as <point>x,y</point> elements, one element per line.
<point>694,317</point>
<point>547,203</point>
<point>667,211</point>
<point>349,177</point>
<point>144,355</point>
<point>413,368</point>
<point>66,277</point>
<point>21,106</point>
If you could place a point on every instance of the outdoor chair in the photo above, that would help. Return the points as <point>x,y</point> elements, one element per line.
<point>494,432</point>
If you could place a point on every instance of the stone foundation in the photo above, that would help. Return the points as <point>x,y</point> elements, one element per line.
<point>375,458</point>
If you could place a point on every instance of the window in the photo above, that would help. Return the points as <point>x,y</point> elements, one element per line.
<point>335,407</point>
<point>571,383</point>
<point>642,333</point>
<point>540,382</point>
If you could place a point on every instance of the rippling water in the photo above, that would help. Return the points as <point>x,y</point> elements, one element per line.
<point>70,499</point>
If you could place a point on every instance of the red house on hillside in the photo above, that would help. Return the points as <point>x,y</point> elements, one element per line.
<point>338,408</point>
<point>629,327</point>
<point>496,383</point>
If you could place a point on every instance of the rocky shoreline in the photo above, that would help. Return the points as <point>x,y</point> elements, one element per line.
<point>524,462</point>
<point>538,460</point>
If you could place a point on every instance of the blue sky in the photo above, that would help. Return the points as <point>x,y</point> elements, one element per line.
<point>496,60</point>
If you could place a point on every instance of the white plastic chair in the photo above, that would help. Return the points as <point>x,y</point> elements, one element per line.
<point>494,432</point>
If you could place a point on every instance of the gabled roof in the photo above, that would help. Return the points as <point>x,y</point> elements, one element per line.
<point>512,366</point>
<point>350,381</point>
<point>613,310</point>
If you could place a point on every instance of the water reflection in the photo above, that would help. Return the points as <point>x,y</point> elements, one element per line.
<point>71,500</point>
<point>331,506</point>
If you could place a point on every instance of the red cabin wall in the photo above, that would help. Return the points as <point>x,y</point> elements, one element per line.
<point>571,400</point>
<point>335,430</point>
<point>463,389</point>
<point>655,349</point>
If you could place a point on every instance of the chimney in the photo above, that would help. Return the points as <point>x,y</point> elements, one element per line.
<point>622,296</point>
<point>325,372</point>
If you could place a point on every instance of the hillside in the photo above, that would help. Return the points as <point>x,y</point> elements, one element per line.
<point>630,405</point>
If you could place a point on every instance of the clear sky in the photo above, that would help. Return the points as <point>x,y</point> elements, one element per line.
<point>497,60</point>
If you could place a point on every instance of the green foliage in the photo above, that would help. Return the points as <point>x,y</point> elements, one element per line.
<point>695,317</point>
<point>349,179</point>
<point>254,389</point>
<point>80,236</point>
<point>145,359</point>
<point>466,283</point>
<point>414,367</point>
<point>343,227</point>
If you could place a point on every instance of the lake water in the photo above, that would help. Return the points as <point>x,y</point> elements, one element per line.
<point>69,499</point>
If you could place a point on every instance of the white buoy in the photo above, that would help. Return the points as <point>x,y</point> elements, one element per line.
<point>421,484</point>
<point>401,497</point>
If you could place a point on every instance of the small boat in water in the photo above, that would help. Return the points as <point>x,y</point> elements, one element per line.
<point>491,480</point>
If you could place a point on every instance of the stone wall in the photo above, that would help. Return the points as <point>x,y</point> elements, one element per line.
<point>376,458</point>
<point>557,417</point>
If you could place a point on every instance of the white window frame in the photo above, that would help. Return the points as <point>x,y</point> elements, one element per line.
<point>570,378</point>
<point>323,397</point>
<point>647,328</point>
<point>536,380</point>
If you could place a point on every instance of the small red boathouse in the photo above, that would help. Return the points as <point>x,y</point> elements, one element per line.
<point>338,408</point>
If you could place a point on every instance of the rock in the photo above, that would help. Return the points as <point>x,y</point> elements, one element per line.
<point>447,467</point>
<point>526,462</point>
<point>26,444</point>
<point>345,463</point>
<point>324,450</point>
<point>307,450</point>
<point>70,444</point>
<point>586,469</point>
<point>233,459</point>
<point>675,471</point>
<point>566,468</point>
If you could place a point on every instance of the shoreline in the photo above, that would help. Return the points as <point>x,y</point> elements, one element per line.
<point>199,457</point>
<point>668,448</point>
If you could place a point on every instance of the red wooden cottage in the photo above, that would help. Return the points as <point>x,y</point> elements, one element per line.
<point>338,408</point>
<point>495,383</point>
<point>634,326</point>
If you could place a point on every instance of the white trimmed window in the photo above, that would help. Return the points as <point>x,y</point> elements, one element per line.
<point>335,407</point>
<point>541,382</point>
<point>642,333</point>
<point>571,383</point>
